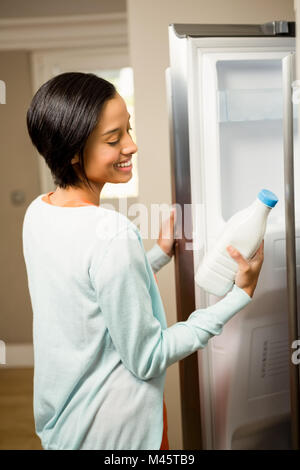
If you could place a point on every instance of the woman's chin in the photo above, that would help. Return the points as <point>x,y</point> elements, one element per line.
<point>125,176</point>
<point>123,171</point>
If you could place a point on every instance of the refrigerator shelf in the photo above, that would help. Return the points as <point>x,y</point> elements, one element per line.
<point>251,105</point>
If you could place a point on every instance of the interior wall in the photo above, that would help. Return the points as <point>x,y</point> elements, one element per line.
<point>31,8</point>
<point>19,160</point>
<point>148,41</point>
<point>19,172</point>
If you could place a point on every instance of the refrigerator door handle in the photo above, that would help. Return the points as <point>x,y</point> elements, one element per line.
<point>288,150</point>
<point>275,28</point>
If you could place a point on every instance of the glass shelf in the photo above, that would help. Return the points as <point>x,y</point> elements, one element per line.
<point>251,105</point>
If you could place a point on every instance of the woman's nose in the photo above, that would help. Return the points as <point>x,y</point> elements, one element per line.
<point>131,148</point>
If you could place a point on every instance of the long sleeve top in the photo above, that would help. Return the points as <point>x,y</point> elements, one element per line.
<point>101,341</point>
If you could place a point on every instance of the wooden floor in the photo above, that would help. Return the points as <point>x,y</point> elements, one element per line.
<point>16,410</point>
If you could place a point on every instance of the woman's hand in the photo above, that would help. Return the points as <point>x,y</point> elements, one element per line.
<point>247,275</point>
<point>166,235</point>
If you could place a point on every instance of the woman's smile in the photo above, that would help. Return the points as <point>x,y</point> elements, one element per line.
<point>124,167</point>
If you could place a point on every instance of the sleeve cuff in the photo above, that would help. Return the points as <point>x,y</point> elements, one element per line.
<point>233,302</point>
<point>157,257</point>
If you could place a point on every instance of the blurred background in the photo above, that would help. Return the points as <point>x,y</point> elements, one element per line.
<point>127,43</point>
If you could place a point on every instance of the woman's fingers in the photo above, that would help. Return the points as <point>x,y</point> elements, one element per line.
<point>235,254</point>
<point>238,257</point>
<point>260,250</point>
<point>248,272</point>
<point>173,215</point>
<point>259,255</point>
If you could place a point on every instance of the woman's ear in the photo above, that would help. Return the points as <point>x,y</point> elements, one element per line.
<point>75,159</point>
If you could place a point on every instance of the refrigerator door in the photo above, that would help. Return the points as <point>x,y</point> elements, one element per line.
<point>291,97</point>
<point>236,148</point>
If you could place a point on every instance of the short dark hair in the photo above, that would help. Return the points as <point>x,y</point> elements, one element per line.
<point>62,114</point>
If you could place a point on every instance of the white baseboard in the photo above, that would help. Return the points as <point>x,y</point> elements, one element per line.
<point>18,355</point>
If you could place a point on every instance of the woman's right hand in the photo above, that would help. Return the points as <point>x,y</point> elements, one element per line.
<point>247,275</point>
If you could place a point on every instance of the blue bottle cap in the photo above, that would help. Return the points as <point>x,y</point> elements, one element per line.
<point>267,197</point>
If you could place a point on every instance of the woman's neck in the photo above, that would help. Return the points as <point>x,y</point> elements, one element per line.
<point>61,196</point>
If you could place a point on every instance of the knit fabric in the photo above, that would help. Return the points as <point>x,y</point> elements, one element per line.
<point>101,341</point>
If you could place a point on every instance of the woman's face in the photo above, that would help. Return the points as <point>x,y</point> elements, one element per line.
<point>110,143</point>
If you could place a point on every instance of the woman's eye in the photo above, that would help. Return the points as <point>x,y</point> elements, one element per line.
<point>116,141</point>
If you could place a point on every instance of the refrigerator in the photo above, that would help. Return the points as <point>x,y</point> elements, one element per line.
<point>233,123</point>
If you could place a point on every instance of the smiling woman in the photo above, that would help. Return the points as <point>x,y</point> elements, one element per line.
<point>83,150</point>
<point>122,78</point>
<point>101,341</point>
<point>91,393</point>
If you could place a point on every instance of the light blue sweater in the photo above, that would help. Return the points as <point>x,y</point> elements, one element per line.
<point>101,341</point>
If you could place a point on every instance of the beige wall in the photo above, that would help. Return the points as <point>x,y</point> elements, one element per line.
<point>148,39</point>
<point>31,8</point>
<point>19,161</point>
<point>19,171</point>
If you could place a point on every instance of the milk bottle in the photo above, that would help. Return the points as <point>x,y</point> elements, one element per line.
<point>245,231</point>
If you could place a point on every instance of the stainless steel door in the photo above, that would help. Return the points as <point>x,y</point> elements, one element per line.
<point>288,74</point>
<point>190,128</point>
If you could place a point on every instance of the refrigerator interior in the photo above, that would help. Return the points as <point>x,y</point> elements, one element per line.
<point>251,133</point>
<point>249,361</point>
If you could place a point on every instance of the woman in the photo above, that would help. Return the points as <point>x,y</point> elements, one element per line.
<point>101,341</point>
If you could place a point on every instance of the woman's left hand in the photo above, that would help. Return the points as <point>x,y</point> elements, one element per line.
<point>166,235</point>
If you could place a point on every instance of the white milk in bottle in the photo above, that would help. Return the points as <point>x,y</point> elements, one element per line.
<point>245,231</point>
